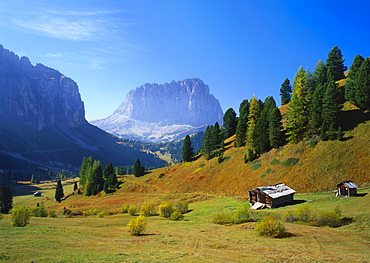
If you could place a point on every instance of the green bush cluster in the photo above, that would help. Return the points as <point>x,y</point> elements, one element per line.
<point>271,227</point>
<point>183,207</point>
<point>100,214</point>
<point>125,208</point>
<point>52,213</point>
<point>20,216</point>
<point>132,210</point>
<point>241,215</point>
<point>39,211</point>
<point>148,210</point>
<point>174,212</point>
<point>1,216</point>
<point>91,212</point>
<point>166,209</point>
<point>316,218</point>
<point>137,226</point>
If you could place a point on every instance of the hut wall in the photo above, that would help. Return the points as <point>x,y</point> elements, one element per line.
<point>283,200</point>
<point>352,191</point>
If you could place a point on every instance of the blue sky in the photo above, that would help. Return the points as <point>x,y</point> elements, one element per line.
<point>239,48</point>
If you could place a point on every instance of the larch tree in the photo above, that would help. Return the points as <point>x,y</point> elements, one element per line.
<point>241,128</point>
<point>187,150</point>
<point>297,115</point>
<point>254,113</point>
<point>285,92</point>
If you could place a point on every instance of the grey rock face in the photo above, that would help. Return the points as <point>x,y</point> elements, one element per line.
<point>38,95</point>
<point>165,112</point>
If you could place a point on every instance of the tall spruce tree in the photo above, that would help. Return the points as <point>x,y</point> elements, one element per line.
<point>241,128</point>
<point>261,141</point>
<point>335,64</point>
<point>96,178</point>
<point>362,93</point>
<point>351,82</point>
<point>217,137</point>
<point>138,170</point>
<point>6,199</point>
<point>229,123</point>
<point>285,92</point>
<point>330,108</point>
<point>85,170</point>
<point>297,115</point>
<point>254,113</point>
<point>276,134</point>
<point>108,170</point>
<point>187,150</point>
<point>59,193</point>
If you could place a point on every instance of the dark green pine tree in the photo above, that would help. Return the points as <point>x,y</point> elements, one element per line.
<point>285,92</point>
<point>241,128</point>
<point>335,64</point>
<point>108,170</point>
<point>96,178</point>
<point>261,141</point>
<point>75,186</point>
<point>85,170</point>
<point>229,123</point>
<point>207,146</point>
<point>6,199</point>
<point>319,75</point>
<point>216,136</point>
<point>112,180</point>
<point>362,94</point>
<point>59,193</point>
<point>276,134</point>
<point>106,187</point>
<point>187,150</point>
<point>330,108</point>
<point>137,169</point>
<point>351,82</point>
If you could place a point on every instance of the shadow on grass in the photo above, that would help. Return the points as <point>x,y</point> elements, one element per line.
<point>361,195</point>
<point>23,189</point>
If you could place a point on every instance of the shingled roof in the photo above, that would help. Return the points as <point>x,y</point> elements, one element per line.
<point>276,190</point>
<point>350,184</point>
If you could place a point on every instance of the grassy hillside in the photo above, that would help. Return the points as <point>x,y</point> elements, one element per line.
<point>309,166</point>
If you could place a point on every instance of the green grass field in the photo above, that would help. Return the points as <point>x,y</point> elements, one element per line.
<point>196,239</point>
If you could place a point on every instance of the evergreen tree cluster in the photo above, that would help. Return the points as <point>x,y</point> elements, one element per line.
<point>6,199</point>
<point>93,179</point>
<point>212,141</point>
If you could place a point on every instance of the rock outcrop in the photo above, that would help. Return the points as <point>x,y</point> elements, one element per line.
<point>37,94</point>
<point>167,112</point>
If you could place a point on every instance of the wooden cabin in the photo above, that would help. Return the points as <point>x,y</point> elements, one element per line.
<point>271,196</point>
<point>347,188</point>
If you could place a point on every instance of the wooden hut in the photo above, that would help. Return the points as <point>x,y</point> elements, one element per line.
<point>271,196</point>
<point>347,188</point>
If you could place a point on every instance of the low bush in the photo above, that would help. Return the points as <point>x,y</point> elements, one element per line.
<point>166,209</point>
<point>1,216</point>
<point>303,213</point>
<point>91,212</point>
<point>137,226</point>
<point>52,213</point>
<point>271,227</point>
<point>290,162</point>
<point>274,161</point>
<point>125,208</point>
<point>223,218</point>
<point>148,210</point>
<point>20,216</point>
<point>100,214</point>
<point>183,207</point>
<point>176,216</point>
<point>330,218</point>
<point>132,210</point>
<point>241,215</point>
<point>39,211</point>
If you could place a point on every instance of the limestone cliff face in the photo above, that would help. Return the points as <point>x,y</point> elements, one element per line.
<point>38,95</point>
<point>154,112</point>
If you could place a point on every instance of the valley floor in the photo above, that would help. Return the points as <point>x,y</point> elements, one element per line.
<point>196,239</point>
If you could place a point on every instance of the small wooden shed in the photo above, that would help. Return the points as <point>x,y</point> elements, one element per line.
<point>271,196</point>
<point>347,188</point>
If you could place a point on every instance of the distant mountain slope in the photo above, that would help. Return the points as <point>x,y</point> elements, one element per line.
<point>166,112</point>
<point>309,166</point>
<point>42,122</point>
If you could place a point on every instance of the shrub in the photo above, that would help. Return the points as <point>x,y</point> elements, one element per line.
<point>52,213</point>
<point>1,216</point>
<point>20,216</point>
<point>91,212</point>
<point>166,209</point>
<point>271,227</point>
<point>183,207</point>
<point>132,210</point>
<point>256,166</point>
<point>148,210</point>
<point>137,226</point>
<point>274,161</point>
<point>176,216</point>
<point>100,214</point>
<point>125,208</point>
<point>241,215</point>
<point>290,162</point>
<point>303,213</point>
<point>330,219</point>
<point>223,218</point>
<point>39,211</point>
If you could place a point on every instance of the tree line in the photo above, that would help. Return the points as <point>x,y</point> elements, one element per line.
<point>314,103</point>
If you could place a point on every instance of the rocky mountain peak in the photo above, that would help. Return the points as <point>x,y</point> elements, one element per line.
<point>155,112</point>
<point>38,95</point>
